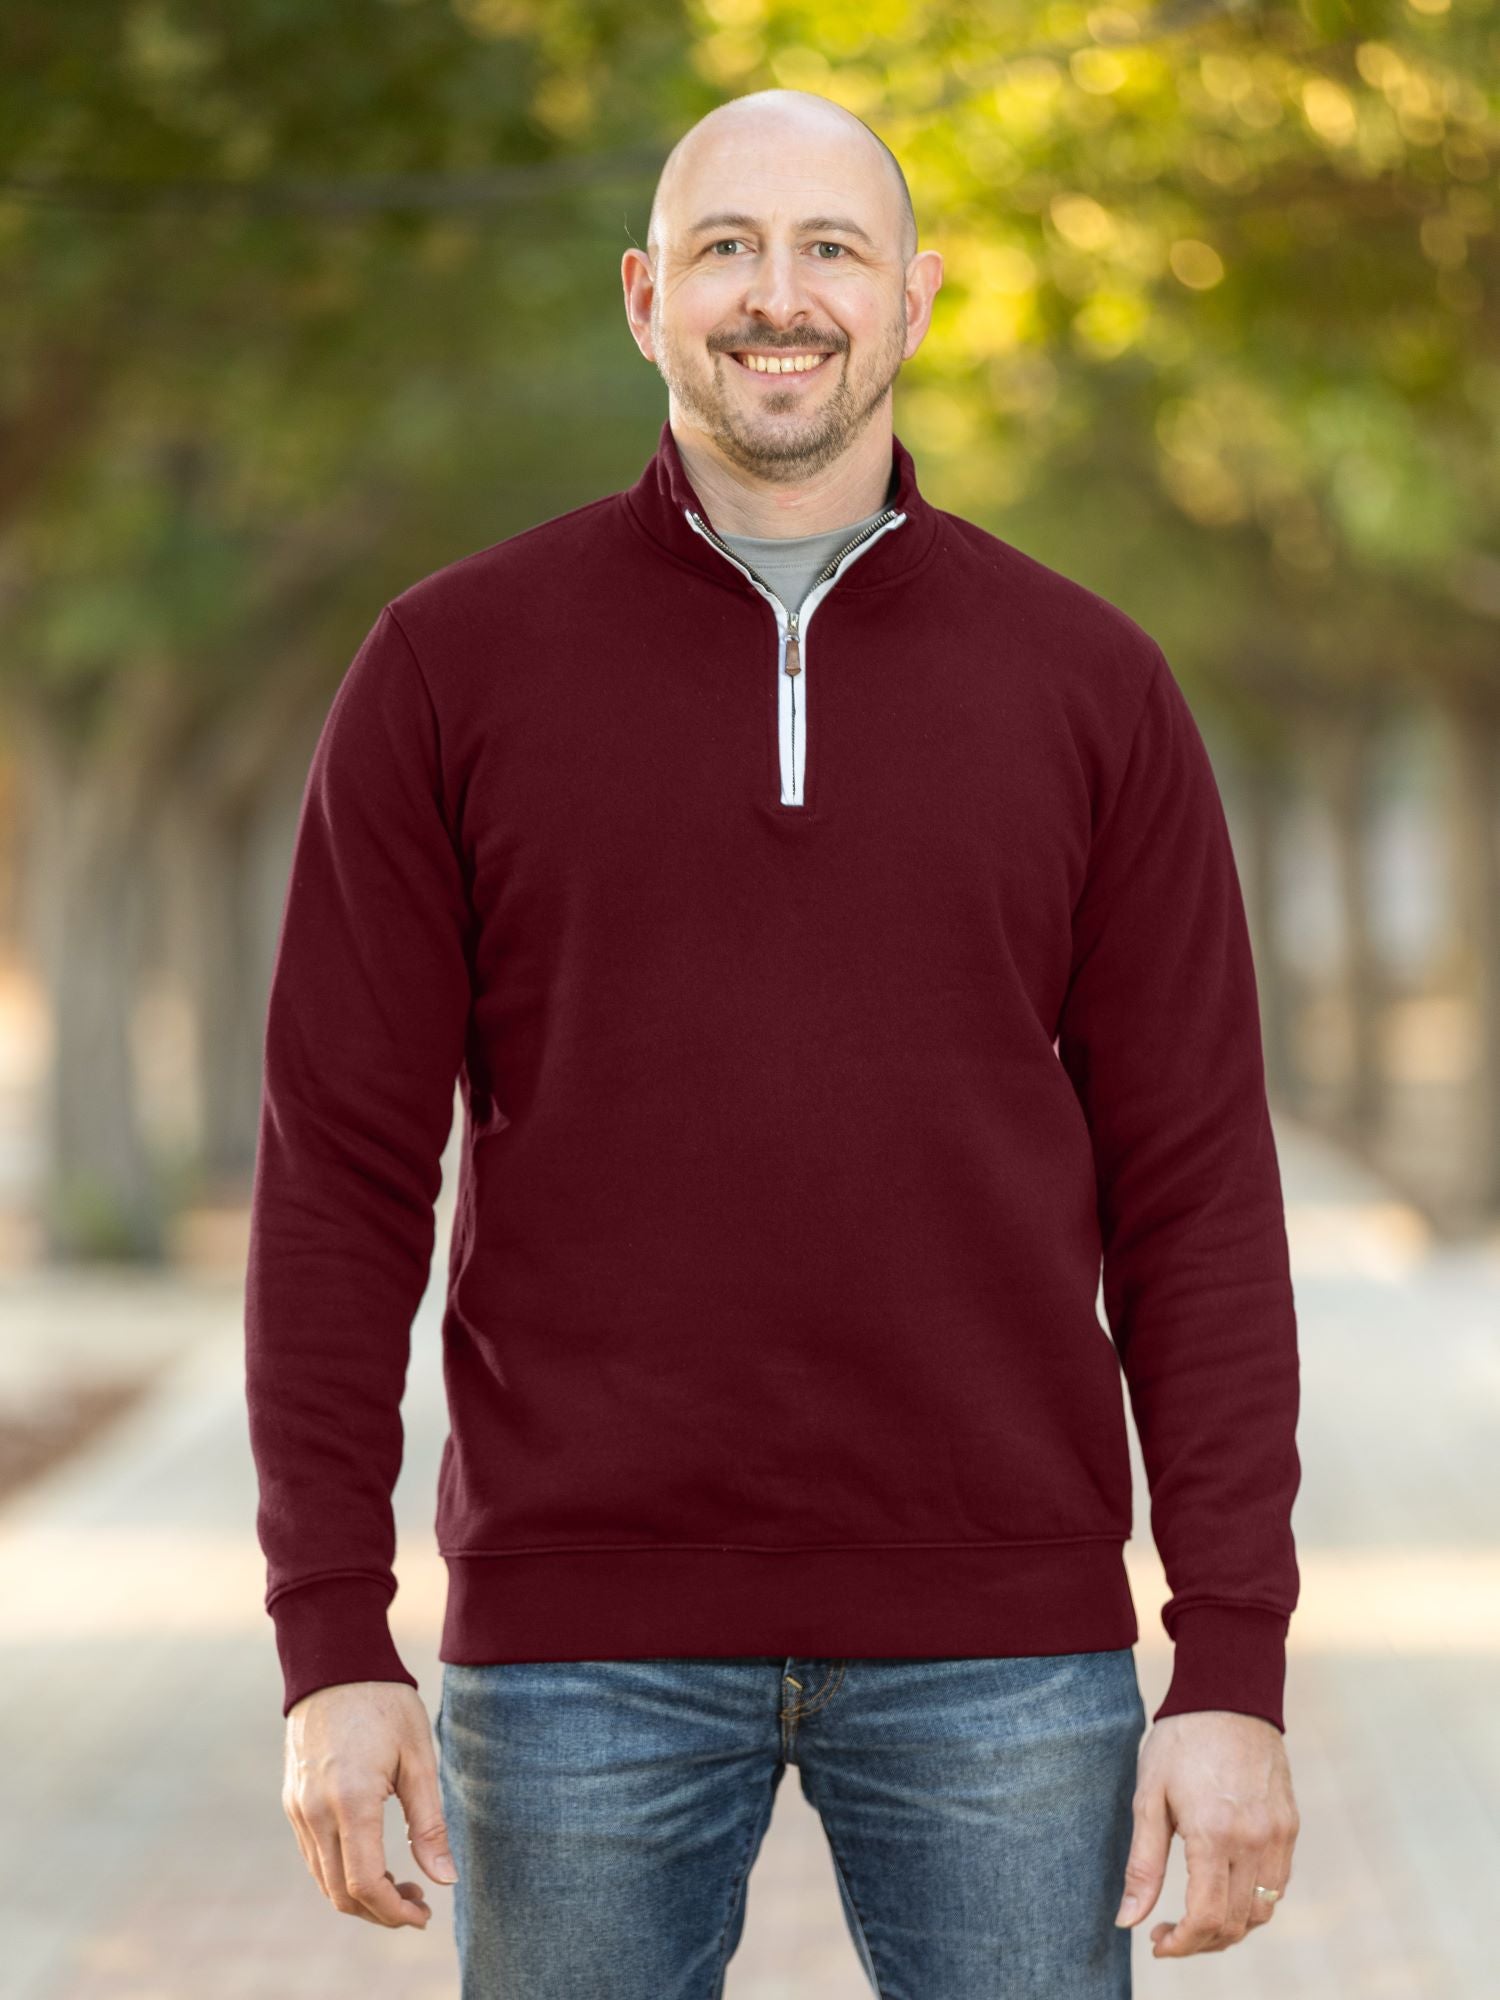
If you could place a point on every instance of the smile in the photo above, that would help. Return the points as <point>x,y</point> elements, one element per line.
<point>781,363</point>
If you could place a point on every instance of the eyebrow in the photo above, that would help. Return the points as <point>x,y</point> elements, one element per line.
<point>841,223</point>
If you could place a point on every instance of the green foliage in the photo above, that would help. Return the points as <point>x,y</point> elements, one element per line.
<point>303,303</point>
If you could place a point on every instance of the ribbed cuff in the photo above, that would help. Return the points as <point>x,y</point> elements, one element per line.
<point>1228,1656</point>
<point>334,1630</point>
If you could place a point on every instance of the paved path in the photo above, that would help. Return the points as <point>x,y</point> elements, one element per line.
<point>147,1854</point>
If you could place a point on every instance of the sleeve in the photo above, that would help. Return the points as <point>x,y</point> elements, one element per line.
<point>1160,1034</point>
<point>364,1036</point>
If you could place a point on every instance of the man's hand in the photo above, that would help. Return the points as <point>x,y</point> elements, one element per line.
<point>347,1749</point>
<point>1222,1781</point>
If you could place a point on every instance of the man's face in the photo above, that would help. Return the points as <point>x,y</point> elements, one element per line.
<point>780,255</point>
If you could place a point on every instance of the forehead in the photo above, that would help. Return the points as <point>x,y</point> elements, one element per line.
<point>778,180</point>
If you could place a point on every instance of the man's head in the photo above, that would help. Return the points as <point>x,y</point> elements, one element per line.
<point>781,227</point>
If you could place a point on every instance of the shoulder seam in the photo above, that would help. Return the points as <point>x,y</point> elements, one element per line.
<point>1158,665</point>
<point>438,771</point>
<point>389,610</point>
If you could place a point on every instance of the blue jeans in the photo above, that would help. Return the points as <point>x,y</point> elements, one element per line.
<point>605,1815</point>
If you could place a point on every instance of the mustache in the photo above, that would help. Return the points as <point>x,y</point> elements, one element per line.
<point>759,341</point>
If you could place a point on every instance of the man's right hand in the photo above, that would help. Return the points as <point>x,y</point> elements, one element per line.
<point>347,1749</point>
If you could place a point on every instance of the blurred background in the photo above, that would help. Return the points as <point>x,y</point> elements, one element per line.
<point>300,304</point>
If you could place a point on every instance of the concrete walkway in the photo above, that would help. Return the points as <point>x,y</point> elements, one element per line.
<point>148,1854</point>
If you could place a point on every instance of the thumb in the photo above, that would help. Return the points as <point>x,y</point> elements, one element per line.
<point>427,1831</point>
<point>1146,1864</point>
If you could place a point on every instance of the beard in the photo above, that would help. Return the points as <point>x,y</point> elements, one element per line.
<point>762,431</point>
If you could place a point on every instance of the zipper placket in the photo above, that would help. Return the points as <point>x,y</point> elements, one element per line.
<point>791,641</point>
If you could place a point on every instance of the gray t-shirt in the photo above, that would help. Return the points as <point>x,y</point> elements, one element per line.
<point>790,563</point>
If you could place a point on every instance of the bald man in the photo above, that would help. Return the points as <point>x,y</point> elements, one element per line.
<point>815,1049</point>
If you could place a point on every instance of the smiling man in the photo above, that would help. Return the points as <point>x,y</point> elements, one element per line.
<point>828,914</point>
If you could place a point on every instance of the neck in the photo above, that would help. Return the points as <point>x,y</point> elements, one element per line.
<point>848,489</point>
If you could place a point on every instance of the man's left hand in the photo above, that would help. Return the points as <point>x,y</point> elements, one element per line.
<point>1221,1780</point>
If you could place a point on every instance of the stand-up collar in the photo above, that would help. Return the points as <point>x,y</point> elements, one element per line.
<point>660,498</point>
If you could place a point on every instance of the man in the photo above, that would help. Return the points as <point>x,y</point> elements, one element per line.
<point>829,913</point>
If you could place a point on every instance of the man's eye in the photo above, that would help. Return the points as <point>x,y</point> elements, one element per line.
<point>729,242</point>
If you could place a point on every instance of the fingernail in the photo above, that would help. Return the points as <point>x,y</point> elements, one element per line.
<point>1127,1910</point>
<point>444,1869</point>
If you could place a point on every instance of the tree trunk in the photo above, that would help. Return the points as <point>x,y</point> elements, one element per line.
<point>236,809</point>
<point>1348,768</point>
<point>204,859</point>
<point>1265,794</point>
<point>1474,737</point>
<point>80,909</point>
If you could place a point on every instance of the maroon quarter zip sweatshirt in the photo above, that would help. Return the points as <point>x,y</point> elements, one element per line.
<point>822,1038</point>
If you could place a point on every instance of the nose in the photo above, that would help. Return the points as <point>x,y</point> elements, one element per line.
<point>776,289</point>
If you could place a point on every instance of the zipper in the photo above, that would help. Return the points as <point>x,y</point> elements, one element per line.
<point>791,640</point>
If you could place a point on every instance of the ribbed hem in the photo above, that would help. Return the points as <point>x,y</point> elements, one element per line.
<point>907,1602</point>
<point>332,1630</point>
<point>1228,1656</point>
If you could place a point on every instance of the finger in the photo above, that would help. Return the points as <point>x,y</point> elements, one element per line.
<point>377,1898</point>
<point>411,1892</point>
<point>1242,1899</point>
<point>1146,1864</point>
<point>306,1843</point>
<point>355,1906</point>
<point>1274,1872</point>
<point>325,1828</point>
<point>1202,1925</point>
<point>291,1805</point>
<point>364,1882</point>
<point>416,1785</point>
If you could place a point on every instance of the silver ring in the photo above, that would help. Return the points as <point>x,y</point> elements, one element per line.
<point>1271,1895</point>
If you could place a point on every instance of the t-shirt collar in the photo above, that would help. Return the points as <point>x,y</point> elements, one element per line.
<point>660,498</point>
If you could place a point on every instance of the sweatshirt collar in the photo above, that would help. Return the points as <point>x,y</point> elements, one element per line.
<point>660,498</point>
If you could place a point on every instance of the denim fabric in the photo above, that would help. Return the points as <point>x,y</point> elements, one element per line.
<point>605,1815</point>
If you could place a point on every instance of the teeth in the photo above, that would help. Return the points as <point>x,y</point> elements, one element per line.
<point>781,364</point>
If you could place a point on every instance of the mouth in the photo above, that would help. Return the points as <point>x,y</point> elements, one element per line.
<point>781,364</point>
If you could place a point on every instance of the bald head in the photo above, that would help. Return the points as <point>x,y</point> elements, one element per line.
<point>790,125</point>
